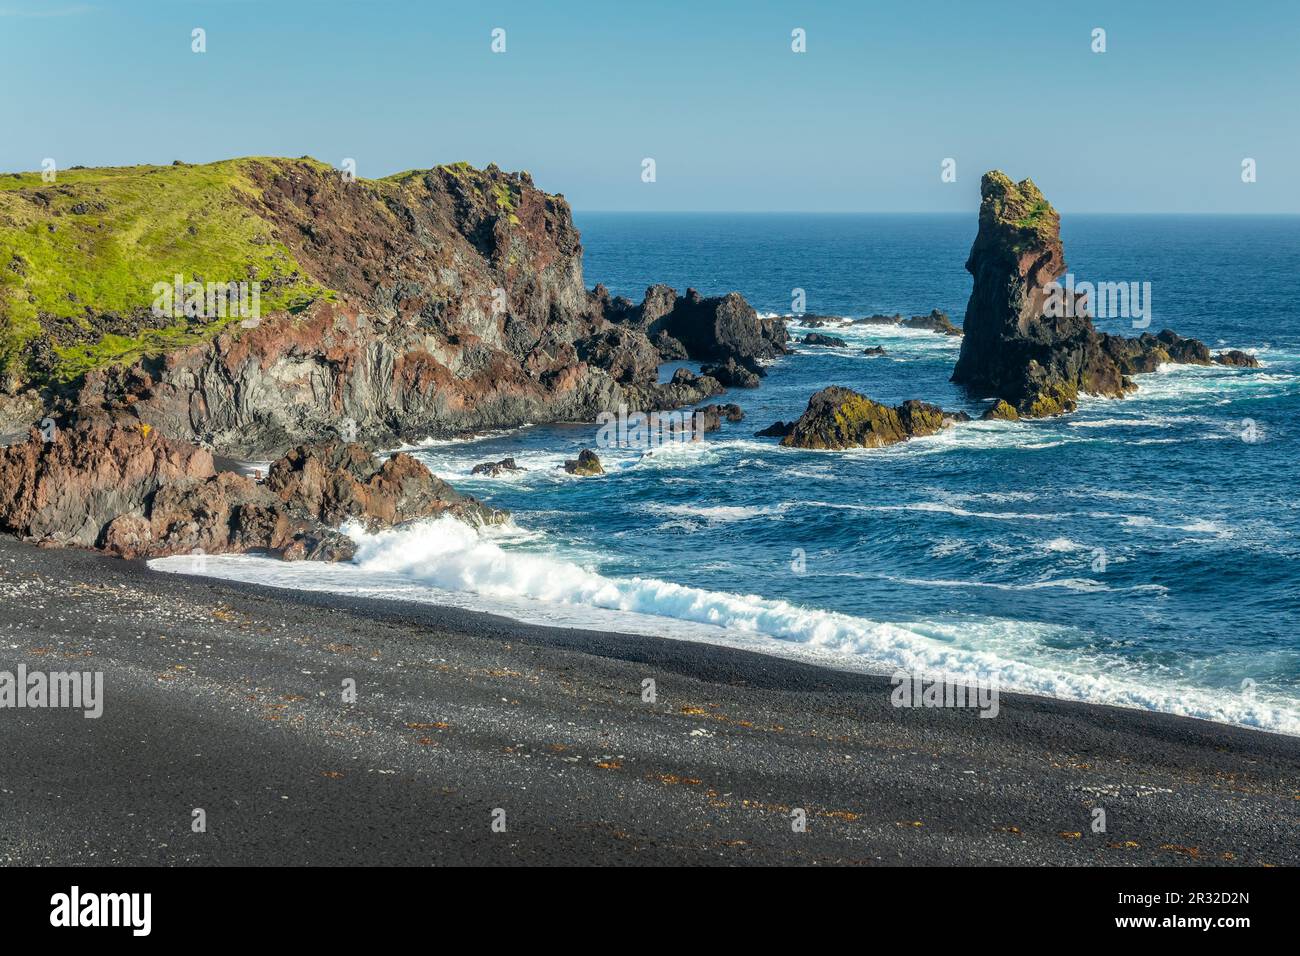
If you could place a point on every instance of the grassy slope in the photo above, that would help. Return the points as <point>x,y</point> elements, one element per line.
<point>140,225</point>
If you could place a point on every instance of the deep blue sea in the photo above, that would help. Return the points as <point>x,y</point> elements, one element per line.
<point>1140,552</point>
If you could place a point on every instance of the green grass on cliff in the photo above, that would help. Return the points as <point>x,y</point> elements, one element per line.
<point>79,257</point>
<point>1021,204</point>
<point>99,239</point>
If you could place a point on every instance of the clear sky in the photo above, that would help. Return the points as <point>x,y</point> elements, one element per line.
<point>710,90</point>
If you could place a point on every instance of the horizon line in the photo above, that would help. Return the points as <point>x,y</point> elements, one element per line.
<point>918,212</point>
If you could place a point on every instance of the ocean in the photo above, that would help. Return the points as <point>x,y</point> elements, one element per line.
<point>1140,552</point>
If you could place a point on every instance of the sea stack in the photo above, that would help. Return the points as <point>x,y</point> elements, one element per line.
<point>1039,364</point>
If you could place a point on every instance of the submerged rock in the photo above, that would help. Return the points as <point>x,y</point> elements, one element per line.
<point>817,338</point>
<point>874,350</point>
<point>709,418</point>
<point>812,321</point>
<point>494,468</point>
<point>839,417</point>
<point>936,321</point>
<point>585,464</point>
<point>1237,358</point>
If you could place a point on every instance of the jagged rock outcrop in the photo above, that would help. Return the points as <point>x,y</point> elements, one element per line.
<point>839,417</point>
<point>133,492</point>
<point>1237,358</point>
<point>685,388</point>
<point>335,482</point>
<point>706,329</point>
<point>67,489</point>
<point>1036,362</point>
<point>1001,410</point>
<point>874,350</point>
<point>734,374</point>
<point>222,514</point>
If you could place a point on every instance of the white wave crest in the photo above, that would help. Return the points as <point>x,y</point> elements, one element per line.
<point>434,560</point>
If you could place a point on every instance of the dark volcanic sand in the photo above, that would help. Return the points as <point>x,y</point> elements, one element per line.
<point>227,697</point>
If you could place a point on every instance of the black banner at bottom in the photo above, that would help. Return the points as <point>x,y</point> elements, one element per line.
<point>356,905</point>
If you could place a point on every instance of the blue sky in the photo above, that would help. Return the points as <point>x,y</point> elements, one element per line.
<point>710,90</point>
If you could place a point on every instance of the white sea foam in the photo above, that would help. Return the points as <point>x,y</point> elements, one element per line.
<point>719,514</point>
<point>1068,584</point>
<point>1062,545</point>
<point>445,561</point>
<point>460,440</point>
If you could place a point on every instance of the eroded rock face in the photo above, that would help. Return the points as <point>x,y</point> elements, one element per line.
<point>137,494</point>
<point>334,482</point>
<point>223,514</point>
<point>68,489</point>
<point>839,417</point>
<point>457,305</point>
<point>1040,364</point>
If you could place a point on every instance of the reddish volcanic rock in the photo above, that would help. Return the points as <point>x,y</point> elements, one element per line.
<point>136,494</point>
<point>335,482</point>
<point>67,490</point>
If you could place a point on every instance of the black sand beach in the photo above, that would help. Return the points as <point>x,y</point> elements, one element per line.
<point>227,697</point>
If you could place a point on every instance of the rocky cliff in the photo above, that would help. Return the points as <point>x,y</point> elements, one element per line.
<point>151,316</point>
<point>1039,364</point>
<point>427,303</point>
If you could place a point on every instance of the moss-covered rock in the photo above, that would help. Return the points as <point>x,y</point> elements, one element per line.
<point>839,417</point>
<point>586,464</point>
<point>1002,410</point>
